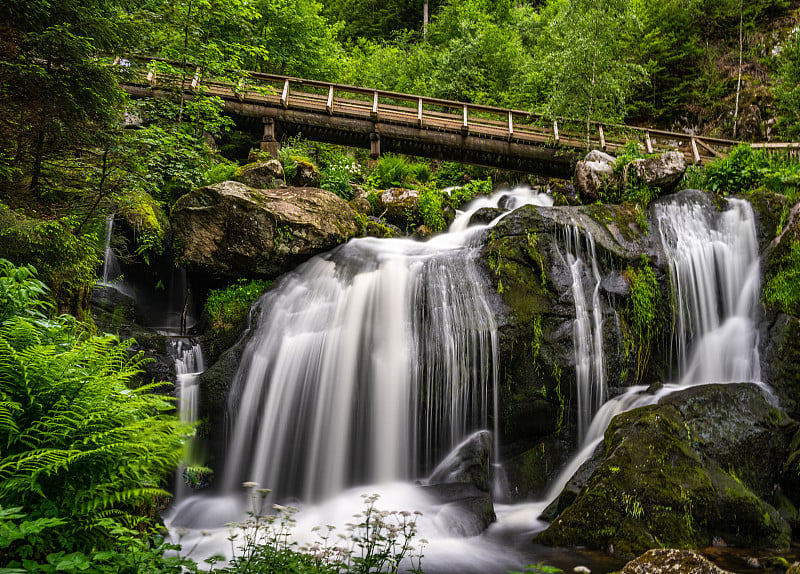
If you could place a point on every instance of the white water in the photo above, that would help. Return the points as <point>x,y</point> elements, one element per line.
<point>587,332</point>
<point>334,352</point>
<point>714,270</point>
<point>189,364</point>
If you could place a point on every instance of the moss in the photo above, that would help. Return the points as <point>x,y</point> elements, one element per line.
<point>148,222</point>
<point>226,311</point>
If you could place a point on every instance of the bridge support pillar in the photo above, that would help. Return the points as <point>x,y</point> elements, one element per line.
<point>268,141</point>
<point>374,145</point>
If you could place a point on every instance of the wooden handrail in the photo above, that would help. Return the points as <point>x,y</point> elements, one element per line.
<point>467,118</point>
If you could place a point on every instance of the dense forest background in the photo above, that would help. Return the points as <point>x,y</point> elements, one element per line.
<point>68,159</point>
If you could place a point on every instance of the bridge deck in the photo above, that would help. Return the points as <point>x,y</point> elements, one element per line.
<point>417,125</point>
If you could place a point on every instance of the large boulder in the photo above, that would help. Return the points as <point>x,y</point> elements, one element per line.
<point>592,173</point>
<point>229,230</point>
<point>663,172</point>
<point>261,174</point>
<point>697,466</point>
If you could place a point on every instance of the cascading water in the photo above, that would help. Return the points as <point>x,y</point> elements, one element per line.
<point>587,332</point>
<point>189,364</point>
<point>714,268</point>
<point>384,352</point>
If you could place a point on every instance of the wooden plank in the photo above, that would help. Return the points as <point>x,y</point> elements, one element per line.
<point>510,125</point>
<point>695,153</point>
<point>648,142</point>
<point>285,95</point>
<point>329,104</point>
<point>555,131</point>
<point>419,113</point>
<point>708,148</point>
<point>602,138</point>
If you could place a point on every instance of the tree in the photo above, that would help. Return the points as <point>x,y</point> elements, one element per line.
<point>582,62</point>
<point>788,90</point>
<point>52,85</point>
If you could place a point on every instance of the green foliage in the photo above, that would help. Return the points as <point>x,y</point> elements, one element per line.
<point>337,175</point>
<point>642,313</point>
<point>21,294</point>
<point>780,289</point>
<point>377,542</point>
<point>228,307</point>
<point>147,220</point>
<point>461,195</point>
<point>294,152</point>
<point>788,91</point>
<point>79,444</point>
<point>396,170</point>
<point>66,262</point>
<point>431,208</point>
<point>737,172</point>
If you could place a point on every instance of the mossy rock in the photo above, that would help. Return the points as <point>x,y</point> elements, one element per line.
<point>661,482</point>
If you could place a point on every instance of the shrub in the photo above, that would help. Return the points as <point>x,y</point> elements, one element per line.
<point>431,209</point>
<point>396,170</point>
<point>229,306</point>
<point>79,444</point>
<point>337,175</point>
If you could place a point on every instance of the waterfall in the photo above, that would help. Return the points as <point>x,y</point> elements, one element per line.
<point>110,270</point>
<point>189,364</point>
<point>587,331</point>
<point>714,269</point>
<point>370,363</point>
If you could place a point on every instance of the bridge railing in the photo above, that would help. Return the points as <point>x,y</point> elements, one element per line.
<point>467,119</point>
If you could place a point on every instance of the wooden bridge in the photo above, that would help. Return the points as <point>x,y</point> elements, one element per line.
<point>386,121</point>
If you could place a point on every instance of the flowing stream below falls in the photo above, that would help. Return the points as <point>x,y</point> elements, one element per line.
<point>368,364</point>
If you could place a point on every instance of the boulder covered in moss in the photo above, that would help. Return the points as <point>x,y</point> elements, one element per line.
<point>229,230</point>
<point>663,172</point>
<point>671,560</point>
<point>400,206</point>
<point>260,174</point>
<point>594,172</point>
<point>699,465</point>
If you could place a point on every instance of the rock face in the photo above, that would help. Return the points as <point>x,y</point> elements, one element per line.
<point>527,263</point>
<point>398,204</point>
<point>694,467</point>
<point>592,173</point>
<point>467,463</point>
<point>260,175</point>
<point>663,560</point>
<point>663,172</point>
<point>229,230</point>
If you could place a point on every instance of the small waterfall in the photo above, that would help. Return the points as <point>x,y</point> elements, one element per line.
<point>111,270</point>
<point>189,365</point>
<point>587,332</point>
<point>714,269</point>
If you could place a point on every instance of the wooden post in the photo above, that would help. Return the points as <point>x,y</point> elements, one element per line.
<point>268,141</point>
<point>285,95</point>
<point>151,77</point>
<point>374,145</point>
<point>374,112</point>
<point>648,143</point>
<point>329,105</point>
<point>465,125</point>
<point>695,152</point>
<point>602,138</point>
<point>555,131</point>
<point>196,78</point>
<point>510,125</point>
<point>419,113</point>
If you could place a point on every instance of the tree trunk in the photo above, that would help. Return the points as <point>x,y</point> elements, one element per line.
<point>425,20</point>
<point>739,81</point>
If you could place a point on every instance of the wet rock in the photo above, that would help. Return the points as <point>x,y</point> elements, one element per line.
<point>669,560</point>
<point>464,509</point>
<point>400,206</point>
<point>377,228</point>
<point>260,175</point>
<point>663,172</point>
<point>467,463</point>
<point>228,230</point>
<point>485,215</point>
<point>681,473</point>
<point>592,173</point>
